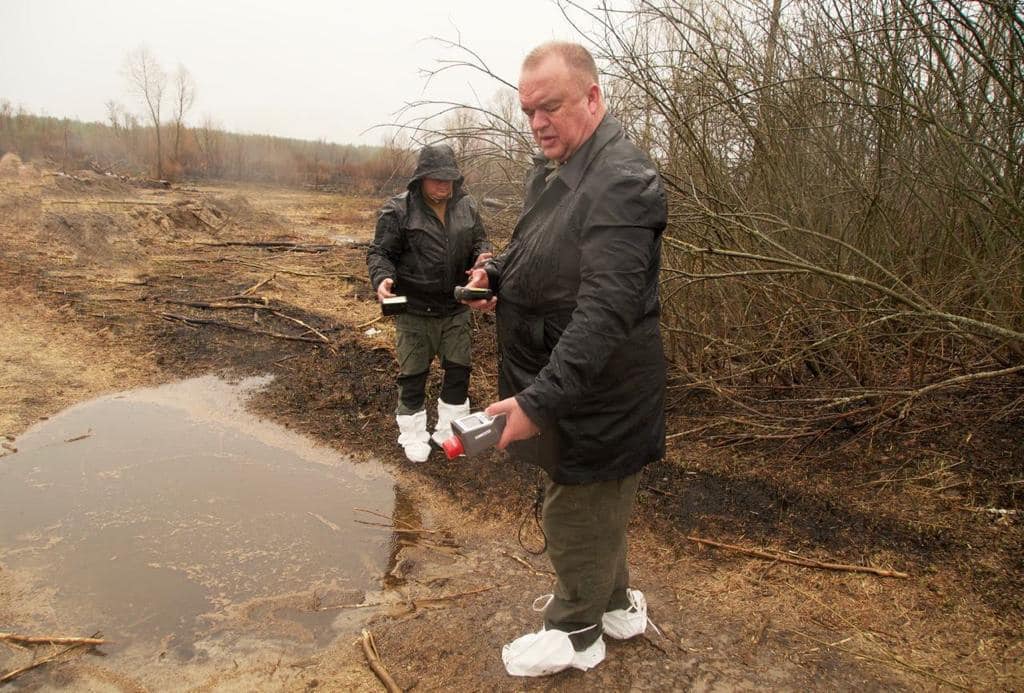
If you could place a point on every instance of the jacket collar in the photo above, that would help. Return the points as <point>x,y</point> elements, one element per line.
<point>571,172</point>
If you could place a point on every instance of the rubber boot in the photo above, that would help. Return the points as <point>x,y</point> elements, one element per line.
<point>446,413</point>
<point>413,436</point>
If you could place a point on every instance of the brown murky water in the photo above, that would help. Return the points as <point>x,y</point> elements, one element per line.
<point>168,517</point>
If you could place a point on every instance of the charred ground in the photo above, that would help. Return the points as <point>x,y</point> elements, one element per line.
<point>167,284</point>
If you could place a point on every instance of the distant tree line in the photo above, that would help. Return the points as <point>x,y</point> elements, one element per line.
<point>126,146</point>
<point>155,145</point>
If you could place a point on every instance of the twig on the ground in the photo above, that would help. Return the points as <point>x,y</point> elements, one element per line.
<point>894,660</point>
<point>195,322</point>
<point>267,266</point>
<point>424,543</point>
<point>221,304</point>
<point>660,492</point>
<point>373,658</point>
<point>394,520</point>
<point>526,564</point>
<point>73,643</point>
<point>105,202</point>
<point>398,530</point>
<point>290,246</point>
<point>299,322</point>
<point>325,522</point>
<point>77,438</point>
<point>252,289</point>
<point>428,601</point>
<point>50,640</point>
<point>806,562</point>
<point>369,322</point>
<point>991,511</point>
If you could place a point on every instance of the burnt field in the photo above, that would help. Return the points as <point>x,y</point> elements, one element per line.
<point>886,564</point>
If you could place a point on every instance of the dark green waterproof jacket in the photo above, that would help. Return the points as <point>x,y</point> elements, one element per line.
<point>427,259</point>
<point>578,312</point>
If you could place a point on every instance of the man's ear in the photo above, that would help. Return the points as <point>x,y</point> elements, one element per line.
<point>593,98</point>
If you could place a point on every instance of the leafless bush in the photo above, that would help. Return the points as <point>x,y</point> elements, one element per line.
<point>846,200</point>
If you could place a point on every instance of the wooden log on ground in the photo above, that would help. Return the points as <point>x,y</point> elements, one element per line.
<point>373,658</point>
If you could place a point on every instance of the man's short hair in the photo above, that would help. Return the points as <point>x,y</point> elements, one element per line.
<point>577,58</point>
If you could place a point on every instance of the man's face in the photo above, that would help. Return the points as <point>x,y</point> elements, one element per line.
<point>437,190</point>
<point>562,112</point>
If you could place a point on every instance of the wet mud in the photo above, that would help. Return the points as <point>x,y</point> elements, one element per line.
<point>447,582</point>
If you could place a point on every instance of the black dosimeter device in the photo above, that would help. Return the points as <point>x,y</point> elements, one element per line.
<point>393,305</point>
<point>468,293</point>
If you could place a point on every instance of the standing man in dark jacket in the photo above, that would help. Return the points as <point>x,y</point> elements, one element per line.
<point>427,239</point>
<point>582,367</point>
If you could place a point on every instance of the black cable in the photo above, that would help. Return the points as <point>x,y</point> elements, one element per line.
<point>538,509</point>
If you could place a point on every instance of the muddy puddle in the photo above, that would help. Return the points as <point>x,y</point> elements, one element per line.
<point>179,525</point>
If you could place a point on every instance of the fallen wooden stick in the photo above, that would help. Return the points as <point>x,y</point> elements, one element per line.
<point>428,601</point>
<point>276,245</point>
<point>252,289</point>
<point>245,306</point>
<point>526,564</point>
<point>806,562</point>
<point>77,438</point>
<point>105,202</point>
<point>397,530</point>
<point>33,640</point>
<point>194,322</point>
<point>408,525</point>
<point>373,658</point>
<point>370,322</point>
<point>299,322</point>
<point>50,640</point>
<point>298,273</point>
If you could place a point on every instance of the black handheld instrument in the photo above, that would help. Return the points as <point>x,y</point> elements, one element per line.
<point>466,293</point>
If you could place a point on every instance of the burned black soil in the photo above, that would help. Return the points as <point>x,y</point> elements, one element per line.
<point>178,293</point>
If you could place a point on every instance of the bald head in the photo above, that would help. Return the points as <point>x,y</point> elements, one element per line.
<point>577,59</point>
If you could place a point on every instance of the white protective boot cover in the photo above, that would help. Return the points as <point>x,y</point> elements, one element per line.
<point>446,413</point>
<point>548,652</point>
<point>623,624</point>
<point>413,435</point>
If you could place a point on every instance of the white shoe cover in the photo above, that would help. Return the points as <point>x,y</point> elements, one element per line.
<point>548,652</point>
<point>413,436</point>
<point>623,624</point>
<point>446,413</point>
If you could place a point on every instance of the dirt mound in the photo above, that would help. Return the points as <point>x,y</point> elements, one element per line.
<point>88,182</point>
<point>9,164</point>
<point>240,210</point>
<point>107,231</point>
<point>197,216</point>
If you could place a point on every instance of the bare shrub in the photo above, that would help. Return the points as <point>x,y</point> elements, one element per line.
<point>845,180</point>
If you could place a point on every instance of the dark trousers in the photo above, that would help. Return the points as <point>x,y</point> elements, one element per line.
<point>419,339</point>
<point>586,527</point>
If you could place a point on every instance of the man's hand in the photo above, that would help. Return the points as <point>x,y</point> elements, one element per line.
<point>478,280</point>
<point>518,425</point>
<point>480,260</point>
<point>384,289</point>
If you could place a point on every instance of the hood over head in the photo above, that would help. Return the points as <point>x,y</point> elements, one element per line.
<point>436,161</point>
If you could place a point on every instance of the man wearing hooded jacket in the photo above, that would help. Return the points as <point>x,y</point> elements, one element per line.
<point>426,241</point>
<point>582,368</point>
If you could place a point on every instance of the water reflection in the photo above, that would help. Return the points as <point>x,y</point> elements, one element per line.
<point>150,514</point>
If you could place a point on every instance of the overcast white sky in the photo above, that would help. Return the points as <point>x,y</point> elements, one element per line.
<point>295,68</point>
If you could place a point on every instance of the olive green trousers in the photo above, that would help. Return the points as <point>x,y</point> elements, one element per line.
<point>419,338</point>
<point>586,526</point>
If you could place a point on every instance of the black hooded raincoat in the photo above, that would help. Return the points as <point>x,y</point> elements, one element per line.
<point>427,259</point>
